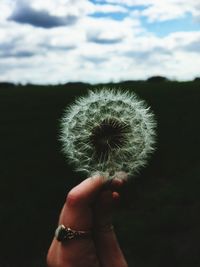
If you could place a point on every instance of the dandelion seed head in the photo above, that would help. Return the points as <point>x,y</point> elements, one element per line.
<point>108,131</point>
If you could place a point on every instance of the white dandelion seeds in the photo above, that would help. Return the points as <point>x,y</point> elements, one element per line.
<point>108,132</point>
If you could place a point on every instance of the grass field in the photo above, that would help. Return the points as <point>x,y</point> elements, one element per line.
<point>159,220</point>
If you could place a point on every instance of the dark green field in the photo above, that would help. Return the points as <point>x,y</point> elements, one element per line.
<point>158,223</point>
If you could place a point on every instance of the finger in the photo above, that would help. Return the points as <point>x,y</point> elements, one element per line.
<point>106,202</point>
<point>104,207</point>
<point>114,184</point>
<point>85,192</point>
<point>76,212</point>
<point>116,197</point>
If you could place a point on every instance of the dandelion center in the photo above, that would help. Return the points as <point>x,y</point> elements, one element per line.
<point>108,136</point>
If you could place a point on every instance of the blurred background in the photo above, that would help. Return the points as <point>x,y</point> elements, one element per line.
<point>54,51</point>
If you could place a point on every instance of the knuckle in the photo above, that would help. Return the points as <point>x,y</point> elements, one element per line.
<point>73,199</point>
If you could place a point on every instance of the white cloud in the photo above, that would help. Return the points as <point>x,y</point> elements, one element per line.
<point>6,7</point>
<point>64,7</point>
<point>172,9</point>
<point>61,7</point>
<point>96,49</point>
<point>160,10</point>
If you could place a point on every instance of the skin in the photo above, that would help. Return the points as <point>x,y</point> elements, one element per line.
<point>89,206</point>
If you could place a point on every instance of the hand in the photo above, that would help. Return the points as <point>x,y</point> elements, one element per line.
<point>89,207</point>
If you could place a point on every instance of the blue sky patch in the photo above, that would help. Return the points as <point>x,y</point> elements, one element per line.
<point>163,28</point>
<point>113,15</point>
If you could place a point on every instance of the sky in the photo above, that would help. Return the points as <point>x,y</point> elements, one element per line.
<point>97,41</point>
